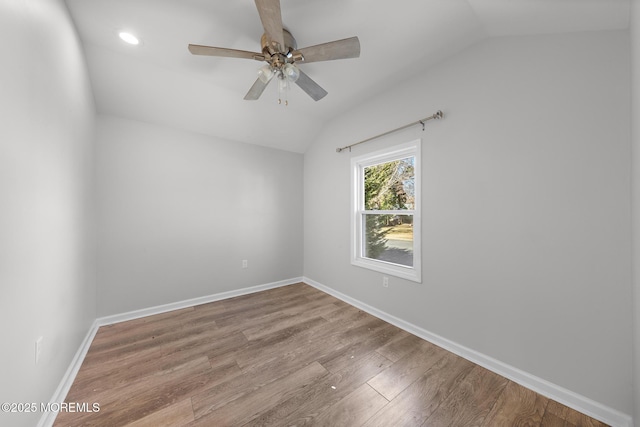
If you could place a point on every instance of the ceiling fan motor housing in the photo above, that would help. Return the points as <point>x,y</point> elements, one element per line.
<point>278,58</point>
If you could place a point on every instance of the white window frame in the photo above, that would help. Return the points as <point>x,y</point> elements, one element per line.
<point>358,164</point>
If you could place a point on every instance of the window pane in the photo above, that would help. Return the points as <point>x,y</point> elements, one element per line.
<point>390,186</point>
<point>389,238</point>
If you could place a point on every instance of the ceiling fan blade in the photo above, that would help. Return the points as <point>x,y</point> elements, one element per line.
<point>339,49</point>
<point>221,51</point>
<point>271,18</point>
<point>256,90</point>
<point>312,88</point>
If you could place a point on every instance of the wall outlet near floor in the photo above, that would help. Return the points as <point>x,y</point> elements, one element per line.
<point>385,281</point>
<point>245,263</point>
<point>39,348</point>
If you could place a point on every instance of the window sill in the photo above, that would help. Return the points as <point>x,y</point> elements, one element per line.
<point>388,268</point>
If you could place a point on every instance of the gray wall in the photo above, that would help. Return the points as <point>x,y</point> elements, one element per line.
<point>635,140</point>
<point>526,207</point>
<point>46,126</point>
<point>177,213</point>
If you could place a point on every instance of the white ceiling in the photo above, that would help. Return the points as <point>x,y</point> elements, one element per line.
<point>160,82</point>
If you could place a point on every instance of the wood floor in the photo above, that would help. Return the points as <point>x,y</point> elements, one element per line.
<point>291,356</point>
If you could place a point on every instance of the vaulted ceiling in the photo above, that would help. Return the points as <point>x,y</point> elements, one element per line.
<point>159,81</point>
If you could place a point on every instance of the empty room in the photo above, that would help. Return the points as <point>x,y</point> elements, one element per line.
<point>329,213</point>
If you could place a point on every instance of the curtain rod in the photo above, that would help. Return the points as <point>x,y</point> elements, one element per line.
<point>437,115</point>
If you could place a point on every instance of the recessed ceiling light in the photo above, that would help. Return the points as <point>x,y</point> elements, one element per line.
<point>129,38</point>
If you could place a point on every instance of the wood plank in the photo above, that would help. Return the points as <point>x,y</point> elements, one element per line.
<point>122,405</point>
<point>359,341</point>
<point>418,401</point>
<point>108,332</point>
<point>400,347</point>
<point>247,302</point>
<point>136,332</point>
<point>346,314</point>
<point>303,408</point>
<point>320,296</point>
<point>405,371</point>
<point>354,410</point>
<point>163,357</point>
<point>570,417</point>
<point>295,338</point>
<point>287,356</point>
<point>176,415</point>
<point>248,381</point>
<point>287,318</point>
<point>556,409</point>
<point>321,340</point>
<point>552,420</point>
<point>517,406</point>
<point>240,411</point>
<point>133,339</point>
<point>245,315</point>
<point>472,400</point>
<point>578,419</point>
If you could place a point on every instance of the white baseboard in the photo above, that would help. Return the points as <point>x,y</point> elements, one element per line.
<point>566,397</point>
<point>136,314</point>
<point>48,418</point>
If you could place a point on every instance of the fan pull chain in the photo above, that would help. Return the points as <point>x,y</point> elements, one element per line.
<point>283,89</point>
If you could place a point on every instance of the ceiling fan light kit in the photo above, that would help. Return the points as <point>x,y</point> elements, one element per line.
<point>281,53</point>
<point>265,73</point>
<point>291,72</point>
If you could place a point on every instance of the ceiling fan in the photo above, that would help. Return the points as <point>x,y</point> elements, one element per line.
<point>280,52</point>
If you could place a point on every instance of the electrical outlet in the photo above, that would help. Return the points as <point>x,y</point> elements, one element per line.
<point>245,263</point>
<point>385,281</point>
<point>39,349</point>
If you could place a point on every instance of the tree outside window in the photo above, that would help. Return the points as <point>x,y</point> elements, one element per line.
<point>390,187</point>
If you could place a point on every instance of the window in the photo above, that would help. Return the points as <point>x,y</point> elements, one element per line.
<point>385,224</point>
